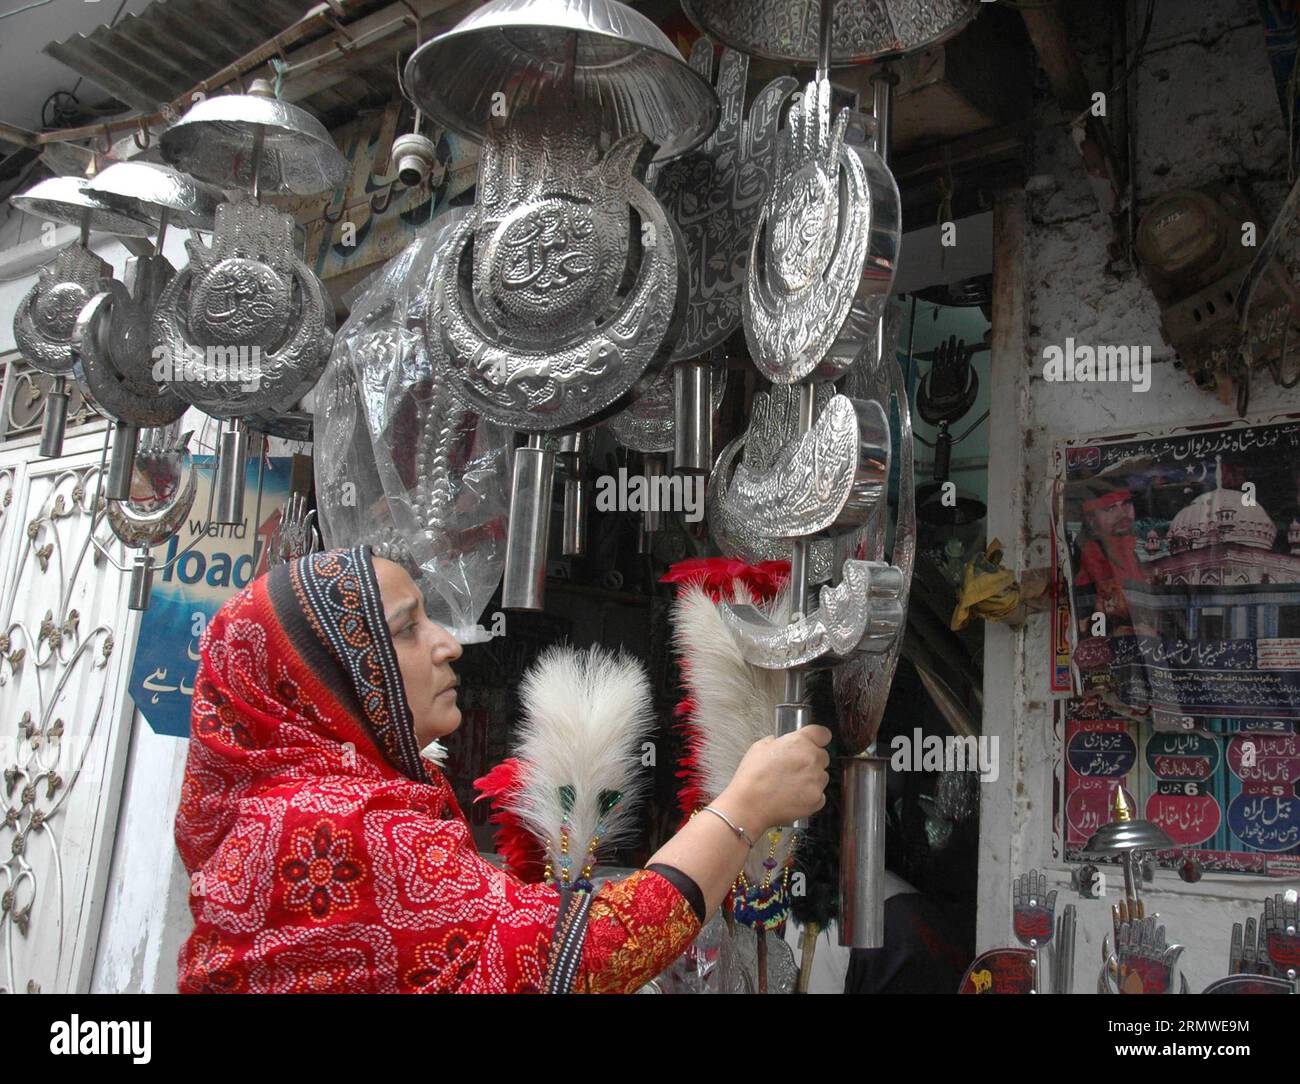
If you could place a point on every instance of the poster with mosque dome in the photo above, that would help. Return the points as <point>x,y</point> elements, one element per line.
<point>1179,553</point>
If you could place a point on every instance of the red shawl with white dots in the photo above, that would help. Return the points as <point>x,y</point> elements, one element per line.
<point>325,855</point>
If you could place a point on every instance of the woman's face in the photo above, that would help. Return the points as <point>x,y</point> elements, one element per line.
<point>425,651</point>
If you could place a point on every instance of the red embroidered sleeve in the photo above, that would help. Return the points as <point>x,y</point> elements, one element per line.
<point>638,926</point>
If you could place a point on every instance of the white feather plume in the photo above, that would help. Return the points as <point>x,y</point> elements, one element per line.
<point>585,716</point>
<point>734,702</point>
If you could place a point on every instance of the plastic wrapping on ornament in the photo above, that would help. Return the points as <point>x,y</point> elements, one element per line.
<point>401,464</point>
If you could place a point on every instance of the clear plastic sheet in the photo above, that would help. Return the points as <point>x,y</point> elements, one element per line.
<point>400,463</point>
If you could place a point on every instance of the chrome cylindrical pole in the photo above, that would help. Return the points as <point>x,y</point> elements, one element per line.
<point>121,464</point>
<point>232,466</point>
<point>55,422</point>
<point>141,580</point>
<point>652,515</point>
<point>862,853</point>
<point>573,535</point>
<point>524,583</point>
<point>693,416</point>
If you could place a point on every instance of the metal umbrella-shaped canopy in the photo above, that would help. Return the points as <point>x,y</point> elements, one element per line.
<point>71,200</point>
<point>157,193</point>
<point>509,53</point>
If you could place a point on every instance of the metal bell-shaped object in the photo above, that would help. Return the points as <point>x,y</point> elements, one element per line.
<point>861,30</point>
<point>257,142</point>
<point>1125,832</point>
<point>510,53</point>
<point>157,193</point>
<point>72,201</point>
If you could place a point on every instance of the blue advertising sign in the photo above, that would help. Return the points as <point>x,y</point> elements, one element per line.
<point>189,591</point>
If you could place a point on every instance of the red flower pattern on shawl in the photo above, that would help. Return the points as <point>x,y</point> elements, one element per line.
<point>317,864</point>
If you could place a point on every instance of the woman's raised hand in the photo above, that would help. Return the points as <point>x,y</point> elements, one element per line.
<point>780,779</point>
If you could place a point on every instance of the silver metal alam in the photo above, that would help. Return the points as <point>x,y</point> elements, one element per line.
<point>71,201</point>
<point>158,193</point>
<point>46,319</point>
<point>149,518</point>
<point>828,481</point>
<point>862,614</point>
<point>255,142</point>
<point>649,423</point>
<point>729,526</point>
<point>715,192</point>
<point>246,326</point>
<point>513,54</point>
<point>861,30</point>
<point>862,853</point>
<point>1119,837</point>
<point>566,284</point>
<point>825,246</point>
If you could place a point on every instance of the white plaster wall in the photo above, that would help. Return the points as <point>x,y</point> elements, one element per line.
<point>1206,109</point>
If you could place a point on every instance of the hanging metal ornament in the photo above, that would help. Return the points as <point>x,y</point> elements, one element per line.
<point>861,30</point>
<point>112,359</point>
<point>246,326</point>
<point>649,423</point>
<point>714,195</point>
<point>826,245</point>
<point>564,290</point>
<point>162,492</point>
<point>47,315</point>
<point>773,424</point>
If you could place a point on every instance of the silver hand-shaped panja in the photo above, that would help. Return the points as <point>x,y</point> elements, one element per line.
<point>1143,962</point>
<point>1033,916</point>
<point>46,319</point>
<point>1280,931</point>
<point>714,195</point>
<point>295,534</point>
<point>112,360</point>
<point>826,242</point>
<point>247,327</point>
<point>163,486</point>
<point>565,289</point>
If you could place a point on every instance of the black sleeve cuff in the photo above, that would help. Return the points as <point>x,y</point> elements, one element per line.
<point>685,885</point>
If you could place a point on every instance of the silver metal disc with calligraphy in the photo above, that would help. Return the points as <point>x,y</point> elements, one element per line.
<point>564,291</point>
<point>715,193</point>
<point>826,243</point>
<point>47,315</point>
<point>246,327</point>
<point>648,424</point>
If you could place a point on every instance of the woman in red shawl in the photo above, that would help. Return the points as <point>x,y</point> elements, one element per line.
<point>326,855</point>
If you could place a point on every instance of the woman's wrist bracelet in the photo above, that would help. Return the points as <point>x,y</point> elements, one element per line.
<point>740,832</point>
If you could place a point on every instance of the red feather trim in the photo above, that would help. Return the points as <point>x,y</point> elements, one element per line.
<point>521,850</point>
<point>717,575</point>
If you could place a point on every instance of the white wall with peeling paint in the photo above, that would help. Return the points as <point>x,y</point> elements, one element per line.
<point>1206,109</point>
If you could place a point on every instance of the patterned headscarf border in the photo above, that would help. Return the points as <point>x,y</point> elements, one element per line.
<point>336,594</point>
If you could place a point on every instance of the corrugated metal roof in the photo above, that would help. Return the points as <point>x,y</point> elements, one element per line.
<point>151,58</point>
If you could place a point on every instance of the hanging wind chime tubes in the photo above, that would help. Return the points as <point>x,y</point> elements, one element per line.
<point>45,322</point>
<point>564,291</point>
<point>821,268</point>
<point>247,327</point>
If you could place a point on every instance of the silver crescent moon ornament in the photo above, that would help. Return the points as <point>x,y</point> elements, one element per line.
<point>563,292</point>
<point>112,360</point>
<point>149,520</point>
<point>827,239</point>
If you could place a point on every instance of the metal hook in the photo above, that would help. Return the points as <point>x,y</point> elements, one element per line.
<point>142,129</point>
<point>108,140</point>
<point>325,214</point>
<point>375,208</point>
